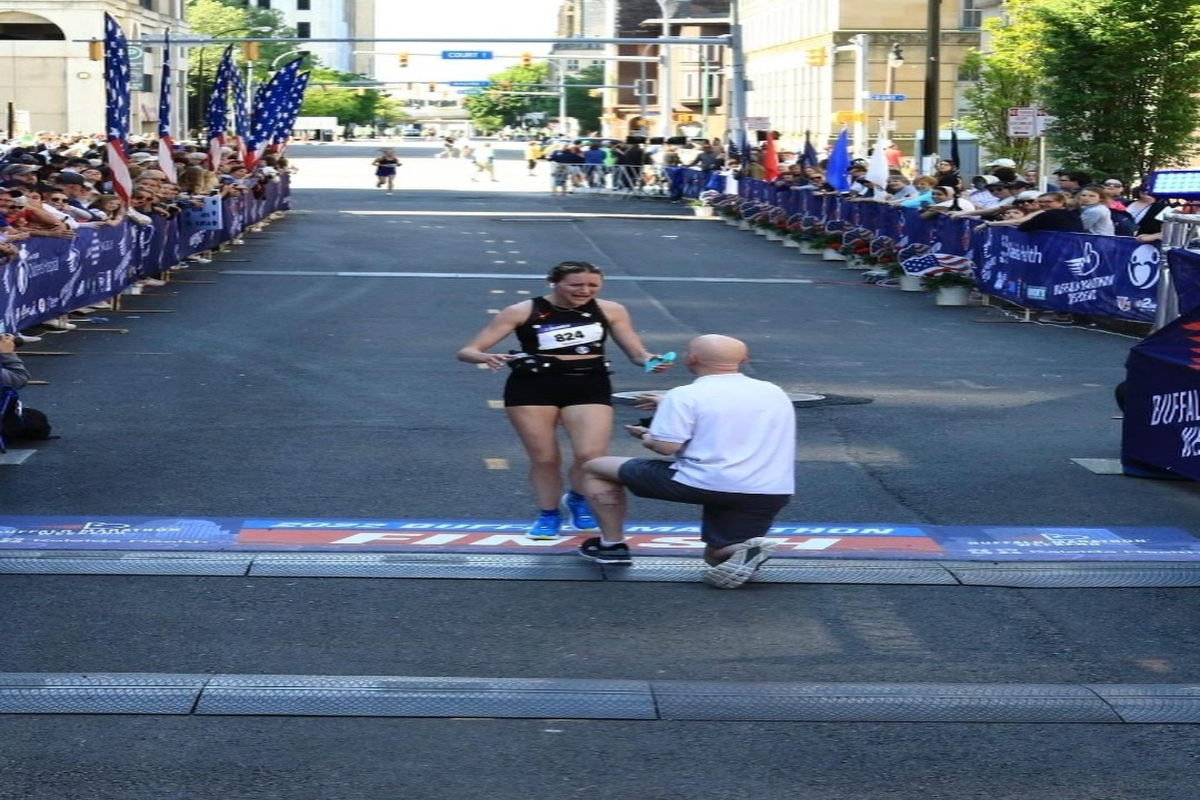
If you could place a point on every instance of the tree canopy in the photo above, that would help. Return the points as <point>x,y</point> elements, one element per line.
<point>1120,77</point>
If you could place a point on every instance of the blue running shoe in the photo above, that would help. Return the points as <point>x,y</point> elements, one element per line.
<point>546,526</point>
<point>582,518</point>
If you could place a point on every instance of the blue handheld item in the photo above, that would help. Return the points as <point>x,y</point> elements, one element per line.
<point>665,358</point>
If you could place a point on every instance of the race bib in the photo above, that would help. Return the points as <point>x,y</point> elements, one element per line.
<point>556,337</point>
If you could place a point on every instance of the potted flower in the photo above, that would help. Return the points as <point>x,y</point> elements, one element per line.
<point>701,208</point>
<point>950,288</point>
<point>829,243</point>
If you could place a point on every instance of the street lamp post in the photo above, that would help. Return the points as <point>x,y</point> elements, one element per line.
<point>895,61</point>
<point>666,101</point>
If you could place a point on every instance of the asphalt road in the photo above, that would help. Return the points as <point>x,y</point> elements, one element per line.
<point>276,388</point>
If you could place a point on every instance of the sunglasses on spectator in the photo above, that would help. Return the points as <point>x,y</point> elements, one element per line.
<point>1114,184</point>
<point>59,199</point>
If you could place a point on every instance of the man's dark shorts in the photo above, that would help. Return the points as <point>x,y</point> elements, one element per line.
<point>728,518</point>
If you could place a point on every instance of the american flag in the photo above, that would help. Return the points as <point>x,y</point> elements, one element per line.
<point>289,109</point>
<point>931,264</point>
<point>116,117</point>
<point>166,146</point>
<point>269,100</point>
<point>218,109</point>
<point>241,122</point>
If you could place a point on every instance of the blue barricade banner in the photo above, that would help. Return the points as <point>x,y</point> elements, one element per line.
<point>1106,276</point>
<point>50,277</point>
<point>1161,425</point>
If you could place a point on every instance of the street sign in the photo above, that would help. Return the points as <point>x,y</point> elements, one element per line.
<point>757,123</point>
<point>888,98</point>
<point>466,55</point>
<point>470,91</point>
<point>1028,123</point>
<point>470,83</point>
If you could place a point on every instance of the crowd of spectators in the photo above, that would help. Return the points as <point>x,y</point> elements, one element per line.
<point>55,185</point>
<point>1076,201</point>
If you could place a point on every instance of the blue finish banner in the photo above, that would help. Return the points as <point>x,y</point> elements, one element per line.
<point>795,540</point>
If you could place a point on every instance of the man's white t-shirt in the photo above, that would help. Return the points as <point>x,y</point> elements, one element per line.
<point>738,434</point>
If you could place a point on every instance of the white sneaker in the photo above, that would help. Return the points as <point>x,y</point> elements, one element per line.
<point>741,566</point>
<point>132,290</point>
<point>199,260</point>
<point>59,324</point>
<point>151,282</point>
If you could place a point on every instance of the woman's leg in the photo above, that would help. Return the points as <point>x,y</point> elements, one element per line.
<point>589,428</point>
<point>537,428</point>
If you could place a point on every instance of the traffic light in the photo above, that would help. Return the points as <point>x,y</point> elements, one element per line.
<point>817,56</point>
<point>403,59</point>
<point>526,59</point>
<point>250,51</point>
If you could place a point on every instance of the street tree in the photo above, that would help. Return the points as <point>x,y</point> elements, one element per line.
<point>1005,77</point>
<point>509,98</point>
<point>330,93</point>
<point>1123,79</point>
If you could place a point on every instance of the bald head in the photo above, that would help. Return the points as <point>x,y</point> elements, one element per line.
<point>715,353</point>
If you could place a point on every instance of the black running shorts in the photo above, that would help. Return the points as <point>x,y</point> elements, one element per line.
<point>558,390</point>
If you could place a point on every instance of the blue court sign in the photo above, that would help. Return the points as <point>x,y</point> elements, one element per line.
<point>471,83</point>
<point>467,55</point>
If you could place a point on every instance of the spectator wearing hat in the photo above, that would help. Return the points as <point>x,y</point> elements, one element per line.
<point>79,194</point>
<point>1004,195</point>
<point>25,173</point>
<point>979,195</point>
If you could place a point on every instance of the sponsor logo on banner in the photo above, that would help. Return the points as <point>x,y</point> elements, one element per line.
<point>106,533</point>
<point>1144,266</point>
<point>1088,282</point>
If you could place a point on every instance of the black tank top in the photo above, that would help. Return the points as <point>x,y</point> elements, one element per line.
<point>551,331</point>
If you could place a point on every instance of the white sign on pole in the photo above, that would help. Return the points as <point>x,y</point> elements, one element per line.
<point>1022,123</point>
<point>1028,123</point>
<point>758,123</point>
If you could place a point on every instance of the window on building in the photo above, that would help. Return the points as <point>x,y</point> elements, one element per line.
<point>692,84</point>
<point>147,83</point>
<point>572,65</point>
<point>304,30</point>
<point>972,16</point>
<point>304,5</point>
<point>31,31</point>
<point>264,3</point>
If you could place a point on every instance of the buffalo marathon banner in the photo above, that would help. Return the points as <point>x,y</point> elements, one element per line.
<point>50,277</point>
<point>1102,276</point>
<point>422,535</point>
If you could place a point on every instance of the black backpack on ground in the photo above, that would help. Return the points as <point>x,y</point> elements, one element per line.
<point>18,421</point>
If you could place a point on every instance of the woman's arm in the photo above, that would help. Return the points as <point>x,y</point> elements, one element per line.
<point>621,327</point>
<point>504,323</point>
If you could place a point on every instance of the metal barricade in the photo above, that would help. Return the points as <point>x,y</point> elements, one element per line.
<point>1179,230</point>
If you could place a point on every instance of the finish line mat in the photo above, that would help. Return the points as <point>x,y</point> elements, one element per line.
<point>797,540</point>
